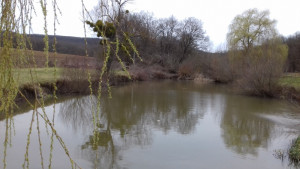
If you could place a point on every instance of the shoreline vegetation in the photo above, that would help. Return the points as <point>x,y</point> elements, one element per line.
<point>73,81</point>
<point>294,151</point>
<point>70,75</point>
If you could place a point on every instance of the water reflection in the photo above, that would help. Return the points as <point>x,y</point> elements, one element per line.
<point>77,112</point>
<point>101,150</point>
<point>128,119</point>
<point>165,125</point>
<point>130,109</point>
<point>244,131</point>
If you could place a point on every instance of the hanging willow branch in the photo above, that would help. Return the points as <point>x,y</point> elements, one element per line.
<point>16,52</point>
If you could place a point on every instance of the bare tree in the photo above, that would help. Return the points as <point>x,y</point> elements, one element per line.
<point>192,36</point>
<point>110,15</point>
<point>109,10</point>
<point>141,28</point>
<point>167,31</point>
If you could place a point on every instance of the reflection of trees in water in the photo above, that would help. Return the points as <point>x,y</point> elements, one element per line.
<point>101,150</point>
<point>132,112</point>
<point>166,109</point>
<point>243,130</point>
<point>77,112</point>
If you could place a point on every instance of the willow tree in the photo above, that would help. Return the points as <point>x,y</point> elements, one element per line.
<point>16,51</point>
<point>254,42</point>
<point>250,29</point>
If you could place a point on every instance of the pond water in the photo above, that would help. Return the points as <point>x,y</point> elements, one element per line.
<point>155,125</point>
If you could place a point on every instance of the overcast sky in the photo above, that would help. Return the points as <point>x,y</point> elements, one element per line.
<point>216,15</point>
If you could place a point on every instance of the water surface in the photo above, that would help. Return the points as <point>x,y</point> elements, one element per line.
<point>170,125</point>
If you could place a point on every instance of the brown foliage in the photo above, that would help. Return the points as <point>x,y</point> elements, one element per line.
<point>262,69</point>
<point>187,70</point>
<point>223,71</point>
<point>143,72</point>
<point>261,78</point>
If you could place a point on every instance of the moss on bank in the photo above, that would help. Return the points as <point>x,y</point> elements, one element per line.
<point>294,152</point>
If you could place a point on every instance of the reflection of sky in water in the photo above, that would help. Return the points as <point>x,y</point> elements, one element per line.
<point>162,125</point>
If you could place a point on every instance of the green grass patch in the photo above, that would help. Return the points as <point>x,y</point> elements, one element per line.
<point>291,80</point>
<point>41,75</point>
<point>120,73</point>
<point>294,152</point>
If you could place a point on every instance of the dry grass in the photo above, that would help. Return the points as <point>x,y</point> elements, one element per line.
<point>143,73</point>
<point>201,79</point>
<point>187,70</point>
<point>38,59</point>
<point>65,60</point>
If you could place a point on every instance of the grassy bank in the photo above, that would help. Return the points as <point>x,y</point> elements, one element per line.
<point>74,80</point>
<point>291,80</point>
<point>26,76</point>
<point>294,152</point>
<point>41,82</point>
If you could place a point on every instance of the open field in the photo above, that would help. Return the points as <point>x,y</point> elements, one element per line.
<point>46,75</point>
<point>30,59</point>
<point>41,75</point>
<point>291,80</point>
<point>64,60</point>
<point>27,73</point>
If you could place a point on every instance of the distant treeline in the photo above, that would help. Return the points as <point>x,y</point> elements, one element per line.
<point>68,45</point>
<point>293,61</point>
<point>76,46</point>
<point>168,42</point>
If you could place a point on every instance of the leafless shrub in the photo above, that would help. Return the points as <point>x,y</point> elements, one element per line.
<point>138,73</point>
<point>262,69</point>
<point>223,70</point>
<point>186,70</point>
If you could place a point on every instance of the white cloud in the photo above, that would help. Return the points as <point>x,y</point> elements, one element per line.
<point>216,15</point>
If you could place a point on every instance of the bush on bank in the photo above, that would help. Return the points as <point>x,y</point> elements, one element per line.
<point>294,152</point>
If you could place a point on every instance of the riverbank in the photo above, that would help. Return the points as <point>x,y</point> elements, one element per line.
<point>286,88</point>
<point>72,81</point>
